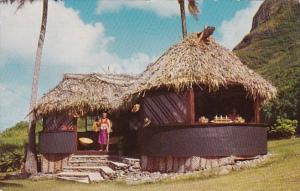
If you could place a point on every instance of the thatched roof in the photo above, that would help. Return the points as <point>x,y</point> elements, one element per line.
<point>205,63</point>
<point>83,93</point>
<point>188,63</point>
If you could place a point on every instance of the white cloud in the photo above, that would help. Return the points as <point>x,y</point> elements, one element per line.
<point>70,43</point>
<point>233,31</point>
<point>70,46</point>
<point>13,105</point>
<point>2,88</point>
<point>164,8</point>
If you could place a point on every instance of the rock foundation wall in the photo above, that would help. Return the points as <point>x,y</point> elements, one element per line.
<point>183,164</point>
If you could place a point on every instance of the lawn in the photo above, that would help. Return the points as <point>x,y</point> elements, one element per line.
<point>280,172</point>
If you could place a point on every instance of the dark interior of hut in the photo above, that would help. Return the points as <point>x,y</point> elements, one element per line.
<point>222,102</point>
<point>122,138</point>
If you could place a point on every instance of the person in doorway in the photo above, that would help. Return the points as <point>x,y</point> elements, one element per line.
<point>233,115</point>
<point>104,130</point>
<point>96,124</point>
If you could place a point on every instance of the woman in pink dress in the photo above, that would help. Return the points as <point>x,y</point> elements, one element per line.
<point>105,126</point>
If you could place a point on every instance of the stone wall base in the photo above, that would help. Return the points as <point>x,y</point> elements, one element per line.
<point>53,163</point>
<point>183,164</point>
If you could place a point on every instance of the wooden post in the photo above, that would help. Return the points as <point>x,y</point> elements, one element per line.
<point>86,129</point>
<point>257,107</point>
<point>190,97</point>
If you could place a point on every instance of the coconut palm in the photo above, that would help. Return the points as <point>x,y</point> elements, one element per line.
<point>193,9</point>
<point>31,159</point>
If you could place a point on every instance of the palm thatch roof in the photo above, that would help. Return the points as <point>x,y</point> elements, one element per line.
<point>193,61</point>
<point>205,63</point>
<point>83,93</point>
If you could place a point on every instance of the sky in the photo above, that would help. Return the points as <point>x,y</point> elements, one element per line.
<point>120,36</point>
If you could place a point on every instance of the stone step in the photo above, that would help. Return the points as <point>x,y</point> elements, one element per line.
<point>82,168</point>
<point>103,169</point>
<point>92,158</point>
<point>95,156</point>
<point>107,170</point>
<point>130,161</point>
<point>83,163</point>
<point>88,158</point>
<point>117,165</point>
<point>93,176</point>
<point>76,179</point>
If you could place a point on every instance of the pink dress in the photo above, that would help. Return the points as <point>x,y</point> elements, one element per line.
<point>103,134</point>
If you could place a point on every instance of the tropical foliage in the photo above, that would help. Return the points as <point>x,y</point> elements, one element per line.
<point>12,142</point>
<point>283,128</point>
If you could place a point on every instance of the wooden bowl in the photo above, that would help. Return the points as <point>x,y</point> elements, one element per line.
<point>85,141</point>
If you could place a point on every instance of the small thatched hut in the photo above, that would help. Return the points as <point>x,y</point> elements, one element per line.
<point>76,97</point>
<point>85,93</point>
<point>199,79</point>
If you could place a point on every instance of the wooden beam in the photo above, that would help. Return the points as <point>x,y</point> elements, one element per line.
<point>206,33</point>
<point>257,108</point>
<point>190,97</point>
<point>86,129</point>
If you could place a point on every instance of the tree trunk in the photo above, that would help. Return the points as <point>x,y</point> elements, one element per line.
<point>31,158</point>
<point>183,18</point>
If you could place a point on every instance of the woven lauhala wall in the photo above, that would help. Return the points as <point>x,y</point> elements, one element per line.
<point>165,108</point>
<point>59,122</point>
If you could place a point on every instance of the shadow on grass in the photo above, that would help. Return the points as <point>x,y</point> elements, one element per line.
<point>9,184</point>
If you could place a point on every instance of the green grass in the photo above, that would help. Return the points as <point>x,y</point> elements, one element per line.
<point>12,146</point>
<point>280,172</point>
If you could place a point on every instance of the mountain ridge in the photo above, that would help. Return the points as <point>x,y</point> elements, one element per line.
<point>272,49</point>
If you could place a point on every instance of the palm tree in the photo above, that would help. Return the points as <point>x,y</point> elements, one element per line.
<point>193,9</point>
<point>31,158</point>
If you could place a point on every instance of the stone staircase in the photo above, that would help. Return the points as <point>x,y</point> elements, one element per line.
<point>94,168</point>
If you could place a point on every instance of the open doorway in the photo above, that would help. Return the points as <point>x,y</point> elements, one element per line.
<point>122,139</point>
<point>85,130</point>
<point>223,102</point>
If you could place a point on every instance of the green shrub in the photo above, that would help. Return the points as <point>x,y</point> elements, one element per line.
<point>12,146</point>
<point>283,128</point>
<point>11,157</point>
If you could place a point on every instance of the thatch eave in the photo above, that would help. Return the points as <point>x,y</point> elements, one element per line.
<point>193,62</point>
<point>81,94</point>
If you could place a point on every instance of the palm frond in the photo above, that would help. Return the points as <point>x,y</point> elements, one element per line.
<point>19,2</point>
<point>7,1</point>
<point>193,8</point>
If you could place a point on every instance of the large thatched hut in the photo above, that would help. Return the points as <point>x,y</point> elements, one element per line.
<point>198,99</point>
